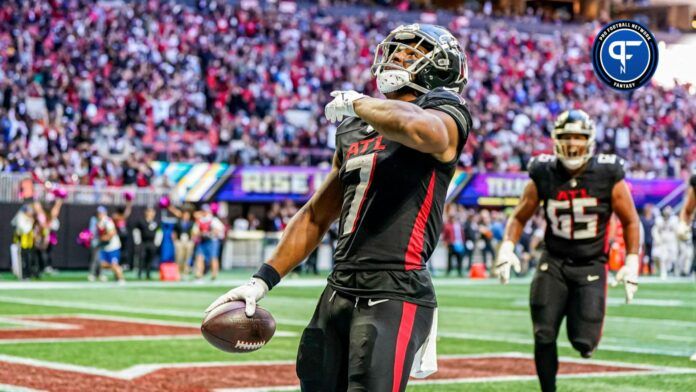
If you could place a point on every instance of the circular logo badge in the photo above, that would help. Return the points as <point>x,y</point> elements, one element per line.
<point>624,55</point>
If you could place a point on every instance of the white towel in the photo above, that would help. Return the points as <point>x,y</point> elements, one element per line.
<point>16,260</point>
<point>425,362</point>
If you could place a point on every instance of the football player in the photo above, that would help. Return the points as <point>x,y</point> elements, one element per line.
<point>393,163</point>
<point>579,192</point>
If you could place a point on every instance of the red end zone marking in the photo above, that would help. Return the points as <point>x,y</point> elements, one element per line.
<point>203,378</point>
<point>83,327</point>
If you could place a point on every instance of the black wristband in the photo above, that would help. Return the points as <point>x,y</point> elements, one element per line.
<point>269,275</point>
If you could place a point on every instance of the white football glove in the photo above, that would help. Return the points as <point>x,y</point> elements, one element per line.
<point>628,275</point>
<point>342,105</point>
<point>683,231</point>
<point>250,293</point>
<point>506,259</point>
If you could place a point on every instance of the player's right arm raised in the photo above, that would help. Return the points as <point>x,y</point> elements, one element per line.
<point>506,258</point>
<point>301,236</point>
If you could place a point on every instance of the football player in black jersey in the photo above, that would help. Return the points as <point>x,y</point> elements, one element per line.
<point>394,160</point>
<point>579,192</point>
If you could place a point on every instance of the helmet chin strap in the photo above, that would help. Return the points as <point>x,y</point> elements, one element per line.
<point>392,80</point>
<point>573,163</point>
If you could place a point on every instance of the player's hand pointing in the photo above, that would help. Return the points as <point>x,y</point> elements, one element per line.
<point>342,105</point>
<point>250,293</point>
<point>506,259</point>
<point>628,275</point>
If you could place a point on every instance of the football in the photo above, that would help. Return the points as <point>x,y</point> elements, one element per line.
<point>229,329</point>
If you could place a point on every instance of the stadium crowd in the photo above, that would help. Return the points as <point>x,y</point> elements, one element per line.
<point>92,92</point>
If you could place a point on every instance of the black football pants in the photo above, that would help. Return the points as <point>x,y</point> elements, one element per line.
<point>576,291</point>
<point>359,344</point>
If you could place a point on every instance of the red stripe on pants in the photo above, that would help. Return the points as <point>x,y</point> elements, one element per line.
<point>403,338</point>
<point>415,243</point>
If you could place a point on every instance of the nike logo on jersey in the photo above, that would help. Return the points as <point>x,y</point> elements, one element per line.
<point>371,302</point>
<point>592,278</point>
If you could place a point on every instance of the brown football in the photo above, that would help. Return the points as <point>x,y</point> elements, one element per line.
<point>229,329</point>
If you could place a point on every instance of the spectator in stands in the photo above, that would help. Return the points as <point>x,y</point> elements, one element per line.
<point>95,252</point>
<point>147,234</point>
<point>254,223</point>
<point>110,253</point>
<point>240,223</point>
<point>183,242</point>
<point>47,225</point>
<point>273,221</point>
<point>486,237</point>
<point>647,219</point>
<point>23,224</point>
<point>453,235</point>
<point>471,235</point>
<point>120,218</point>
<point>208,231</point>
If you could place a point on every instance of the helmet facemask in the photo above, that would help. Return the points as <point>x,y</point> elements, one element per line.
<point>574,152</point>
<point>427,52</point>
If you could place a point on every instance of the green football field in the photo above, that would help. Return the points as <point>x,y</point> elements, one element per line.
<point>477,319</point>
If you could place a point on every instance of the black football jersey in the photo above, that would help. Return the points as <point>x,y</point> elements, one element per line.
<point>692,182</point>
<point>393,200</point>
<point>577,209</point>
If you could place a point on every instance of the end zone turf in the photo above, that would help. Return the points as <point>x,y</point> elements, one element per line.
<point>266,376</point>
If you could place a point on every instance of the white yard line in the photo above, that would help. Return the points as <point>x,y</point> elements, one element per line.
<point>100,339</point>
<point>125,309</point>
<point>25,324</point>
<point>141,370</point>
<point>15,388</point>
<point>524,313</point>
<point>676,338</point>
<point>314,282</point>
<point>61,366</point>
<point>128,338</point>
<point>608,347</point>
<point>39,324</point>
<point>560,376</point>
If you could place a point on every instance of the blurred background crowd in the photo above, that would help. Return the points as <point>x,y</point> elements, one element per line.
<point>92,92</point>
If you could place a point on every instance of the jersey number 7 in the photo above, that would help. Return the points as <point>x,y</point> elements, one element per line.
<point>366,165</point>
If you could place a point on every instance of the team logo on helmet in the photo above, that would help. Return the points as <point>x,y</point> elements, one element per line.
<point>624,55</point>
<point>435,60</point>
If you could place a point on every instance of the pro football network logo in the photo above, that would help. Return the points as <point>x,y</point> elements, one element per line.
<point>624,55</point>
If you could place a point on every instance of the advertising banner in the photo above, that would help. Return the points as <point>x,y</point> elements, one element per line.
<point>269,184</point>
<point>504,189</point>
